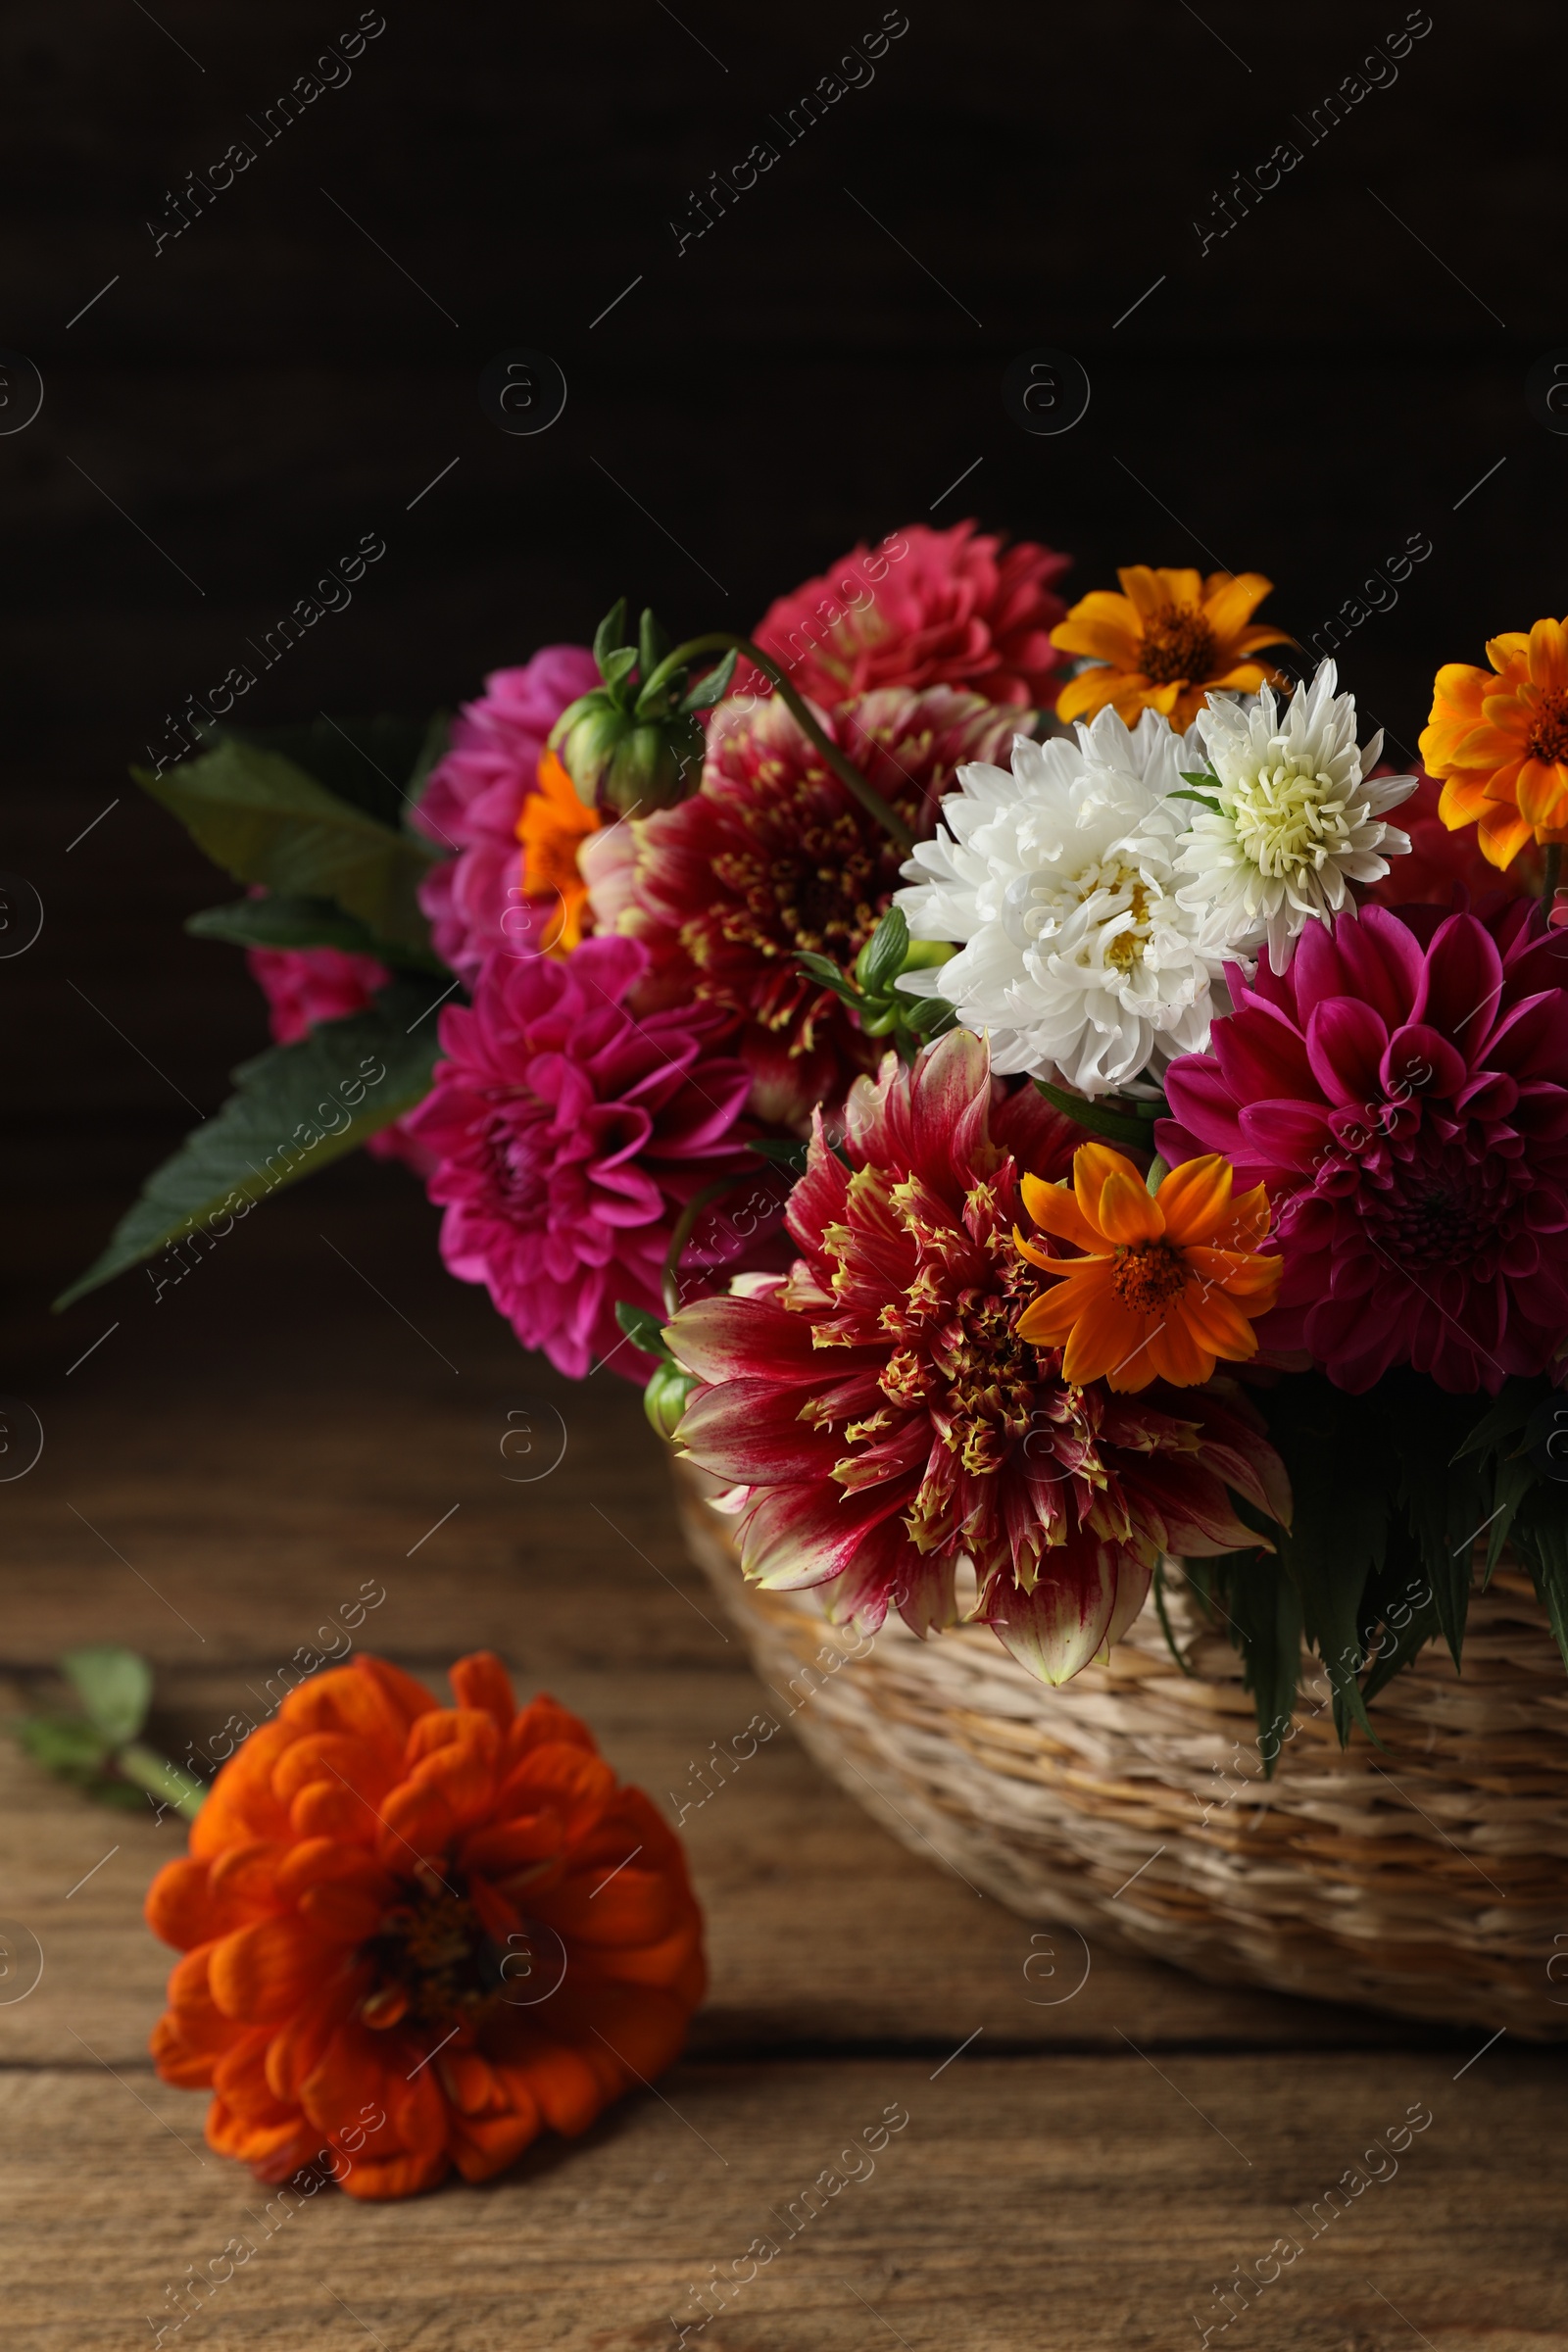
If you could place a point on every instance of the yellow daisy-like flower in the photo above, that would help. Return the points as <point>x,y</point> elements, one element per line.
<point>1500,742</point>
<point>1164,1285</point>
<point>1164,642</point>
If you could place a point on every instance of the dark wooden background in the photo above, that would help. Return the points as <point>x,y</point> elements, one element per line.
<point>1321,383</point>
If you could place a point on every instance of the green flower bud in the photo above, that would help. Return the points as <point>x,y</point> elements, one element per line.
<point>664,1397</point>
<point>619,763</point>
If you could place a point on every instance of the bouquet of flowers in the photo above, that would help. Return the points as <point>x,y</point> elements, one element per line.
<point>994,1073</point>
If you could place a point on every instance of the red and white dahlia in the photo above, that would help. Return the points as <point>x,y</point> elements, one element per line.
<point>773,855</point>
<point>1401,1090</point>
<point>925,607</point>
<point>887,1423</point>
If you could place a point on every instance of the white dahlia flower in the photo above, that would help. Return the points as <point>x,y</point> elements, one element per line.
<point>1293,819</point>
<point>1059,879</point>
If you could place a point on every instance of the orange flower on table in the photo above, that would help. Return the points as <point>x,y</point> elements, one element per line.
<point>1167,1283</point>
<point>1499,739</point>
<point>413,1935</point>
<point>552,826</point>
<point>1164,642</point>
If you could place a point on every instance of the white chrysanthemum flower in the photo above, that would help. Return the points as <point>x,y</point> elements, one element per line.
<point>1060,881</point>
<point>1296,819</point>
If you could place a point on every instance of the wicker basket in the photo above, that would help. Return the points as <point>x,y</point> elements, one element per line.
<point>1430,1878</point>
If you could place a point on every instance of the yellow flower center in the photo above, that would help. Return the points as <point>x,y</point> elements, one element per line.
<point>1548,737</point>
<point>1146,1274</point>
<point>1287,818</point>
<point>1176,646</point>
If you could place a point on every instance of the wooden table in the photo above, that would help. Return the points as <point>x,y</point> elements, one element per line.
<point>316,1407</point>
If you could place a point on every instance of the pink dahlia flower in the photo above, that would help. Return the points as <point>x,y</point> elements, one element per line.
<point>474,799</point>
<point>1402,1092</point>
<point>569,1136</point>
<point>304,986</point>
<point>773,855</point>
<point>886,1422</point>
<point>923,608</point>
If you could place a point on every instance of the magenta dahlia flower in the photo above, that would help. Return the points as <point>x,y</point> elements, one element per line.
<point>922,609</point>
<point>773,855</point>
<point>1402,1092</point>
<point>474,798</point>
<point>886,1422</point>
<point>304,986</point>
<point>569,1136</point>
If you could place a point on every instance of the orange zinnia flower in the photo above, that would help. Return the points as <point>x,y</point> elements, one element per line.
<point>552,827</point>
<point>1501,742</point>
<point>1168,1281</point>
<point>1164,642</point>
<point>414,1934</point>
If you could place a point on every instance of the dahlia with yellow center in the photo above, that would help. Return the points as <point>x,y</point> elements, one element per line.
<point>1499,742</point>
<point>1167,1283</point>
<point>1164,642</point>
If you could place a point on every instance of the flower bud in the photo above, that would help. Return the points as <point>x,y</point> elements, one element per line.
<point>664,1397</point>
<point>635,742</point>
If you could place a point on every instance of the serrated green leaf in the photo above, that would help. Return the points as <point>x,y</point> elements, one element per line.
<point>366,1070</point>
<point>264,819</point>
<point>115,1688</point>
<point>714,688</point>
<point>286,922</point>
<point>611,633</point>
<point>1133,1128</point>
<point>369,763</point>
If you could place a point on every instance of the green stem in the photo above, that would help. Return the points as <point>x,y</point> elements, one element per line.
<point>724,641</point>
<point>1550,868</point>
<point>161,1779</point>
<point>685,1227</point>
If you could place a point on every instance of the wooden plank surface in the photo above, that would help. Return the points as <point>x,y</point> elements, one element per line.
<point>286,1431</point>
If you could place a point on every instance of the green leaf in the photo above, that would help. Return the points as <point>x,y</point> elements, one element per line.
<point>264,819</point>
<point>1196,775</point>
<point>1542,1535</point>
<point>714,688</point>
<point>881,959</point>
<point>828,974</point>
<point>114,1686</point>
<point>645,1331</point>
<point>1264,1605</point>
<point>296,1108</point>
<point>1135,1127</point>
<point>1338,1532</point>
<point>927,1015</point>
<point>651,644</point>
<point>618,665</point>
<point>785,1152</point>
<point>287,922</point>
<point>1441,1488</point>
<point>1205,800</point>
<point>611,633</point>
<point>64,1744</point>
<point>372,763</point>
